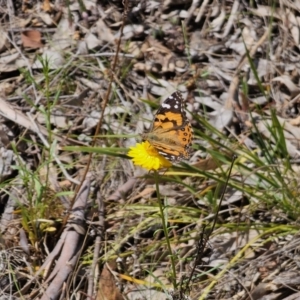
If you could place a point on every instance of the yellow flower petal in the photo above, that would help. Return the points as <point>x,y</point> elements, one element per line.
<point>146,156</point>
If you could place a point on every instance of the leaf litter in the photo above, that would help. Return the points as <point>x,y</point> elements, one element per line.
<point>234,62</point>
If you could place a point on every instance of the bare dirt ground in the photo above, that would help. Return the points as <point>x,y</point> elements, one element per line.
<point>79,82</point>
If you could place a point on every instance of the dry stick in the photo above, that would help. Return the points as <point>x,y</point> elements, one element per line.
<point>201,10</point>
<point>232,18</point>
<point>99,231</point>
<point>191,11</point>
<point>98,241</point>
<point>111,77</point>
<point>108,54</point>
<point>73,242</point>
<point>123,189</point>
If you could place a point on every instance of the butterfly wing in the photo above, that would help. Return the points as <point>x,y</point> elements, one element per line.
<point>171,132</point>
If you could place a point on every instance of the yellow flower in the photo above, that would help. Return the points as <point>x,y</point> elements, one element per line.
<point>146,156</point>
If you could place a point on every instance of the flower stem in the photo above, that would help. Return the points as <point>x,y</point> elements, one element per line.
<point>165,229</point>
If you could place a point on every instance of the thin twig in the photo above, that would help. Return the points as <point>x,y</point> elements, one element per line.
<point>99,125</point>
<point>108,54</point>
<point>111,76</point>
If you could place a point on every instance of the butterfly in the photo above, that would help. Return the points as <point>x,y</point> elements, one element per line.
<point>171,133</point>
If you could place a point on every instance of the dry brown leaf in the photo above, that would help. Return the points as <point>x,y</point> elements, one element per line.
<point>47,6</point>
<point>107,286</point>
<point>31,39</point>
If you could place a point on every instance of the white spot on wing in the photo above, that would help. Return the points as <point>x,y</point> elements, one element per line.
<point>165,105</point>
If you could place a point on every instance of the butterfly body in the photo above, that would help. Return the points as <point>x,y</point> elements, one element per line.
<point>171,132</point>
